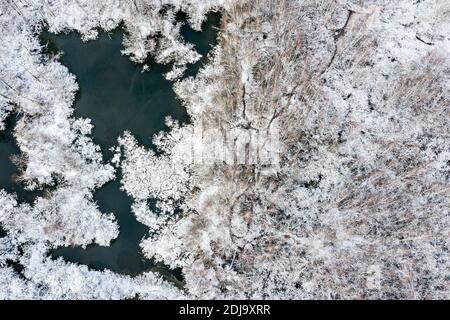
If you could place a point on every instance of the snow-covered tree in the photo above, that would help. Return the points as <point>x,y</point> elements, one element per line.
<point>315,164</point>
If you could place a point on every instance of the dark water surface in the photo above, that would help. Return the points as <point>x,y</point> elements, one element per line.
<point>116,96</point>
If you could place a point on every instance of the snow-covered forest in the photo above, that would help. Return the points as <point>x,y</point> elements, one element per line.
<point>315,164</point>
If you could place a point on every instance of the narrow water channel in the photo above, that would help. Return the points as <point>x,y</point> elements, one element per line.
<point>2,233</point>
<point>116,96</point>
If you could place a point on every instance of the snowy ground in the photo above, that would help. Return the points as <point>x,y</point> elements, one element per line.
<point>316,164</point>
